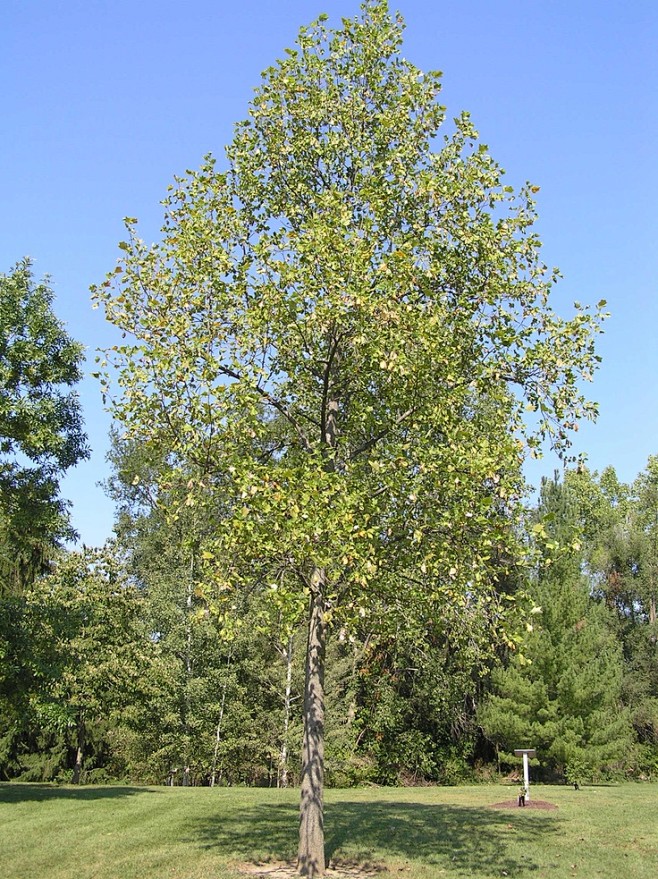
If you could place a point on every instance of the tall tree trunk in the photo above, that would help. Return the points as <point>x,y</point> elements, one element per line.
<point>652,573</point>
<point>282,779</point>
<point>311,860</point>
<point>80,751</point>
<point>220,722</point>
<point>189,670</point>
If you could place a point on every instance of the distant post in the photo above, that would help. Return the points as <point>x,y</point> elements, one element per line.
<point>526,753</point>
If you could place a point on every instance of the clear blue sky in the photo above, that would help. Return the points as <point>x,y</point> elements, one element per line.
<point>103,101</point>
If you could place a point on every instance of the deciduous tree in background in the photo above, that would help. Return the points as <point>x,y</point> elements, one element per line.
<point>41,436</point>
<point>91,650</point>
<point>339,333</point>
<point>41,431</point>
<point>212,707</point>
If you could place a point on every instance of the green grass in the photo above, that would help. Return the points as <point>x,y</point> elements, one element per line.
<point>49,832</point>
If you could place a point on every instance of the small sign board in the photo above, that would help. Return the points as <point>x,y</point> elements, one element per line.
<point>519,752</point>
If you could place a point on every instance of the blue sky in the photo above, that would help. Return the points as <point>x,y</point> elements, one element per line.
<point>102,103</point>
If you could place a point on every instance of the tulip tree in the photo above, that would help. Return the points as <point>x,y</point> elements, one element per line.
<point>336,337</point>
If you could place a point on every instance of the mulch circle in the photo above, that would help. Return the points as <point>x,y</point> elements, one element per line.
<point>335,870</point>
<point>533,804</point>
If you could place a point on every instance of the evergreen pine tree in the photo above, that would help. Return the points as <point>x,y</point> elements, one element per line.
<point>563,694</point>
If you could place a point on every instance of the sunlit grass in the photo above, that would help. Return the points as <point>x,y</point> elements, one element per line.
<point>49,832</point>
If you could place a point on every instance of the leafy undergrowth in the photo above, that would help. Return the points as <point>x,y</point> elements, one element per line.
<point>50,832</point>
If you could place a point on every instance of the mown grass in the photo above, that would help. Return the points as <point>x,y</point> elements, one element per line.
<point>49,832</point>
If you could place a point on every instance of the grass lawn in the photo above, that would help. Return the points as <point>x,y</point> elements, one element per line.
<point>49,832</point>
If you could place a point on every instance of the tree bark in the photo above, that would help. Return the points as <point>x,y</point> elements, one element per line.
<point>282,778</point>
<point>80,752</point>
<point>220,722</point>
<point>311,861</point>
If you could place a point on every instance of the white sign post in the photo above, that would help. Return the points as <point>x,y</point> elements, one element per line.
<point>526,753</point>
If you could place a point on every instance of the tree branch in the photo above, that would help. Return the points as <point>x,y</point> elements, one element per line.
<point>368,444</point>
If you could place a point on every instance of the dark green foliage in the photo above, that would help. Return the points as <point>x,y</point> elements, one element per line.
<point>417,692</point>
<point>622,555</point>
<point>41,432</point>
<point>83,659</point>
<point>41,436</point>
<point>217,694</point>
<point>563,694</point>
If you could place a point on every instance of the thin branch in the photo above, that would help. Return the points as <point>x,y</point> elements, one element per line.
<point>368,444</point>
<point>231,373</point>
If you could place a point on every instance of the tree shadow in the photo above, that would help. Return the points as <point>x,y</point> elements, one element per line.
<point>20,792</point>
<point>468,840</point>
<point>585,784</point>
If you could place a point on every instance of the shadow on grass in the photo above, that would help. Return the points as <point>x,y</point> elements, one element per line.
<point>466,840</point>
<point>17,792</point>
<point>587,784</point>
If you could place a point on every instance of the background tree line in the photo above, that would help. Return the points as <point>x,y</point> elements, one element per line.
<point>117,667</point>
<point>318,477</point>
